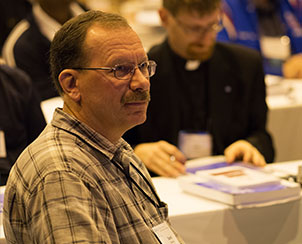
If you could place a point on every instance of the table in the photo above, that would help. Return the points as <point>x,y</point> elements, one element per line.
<point>285,118</point>
<point>199,220</point>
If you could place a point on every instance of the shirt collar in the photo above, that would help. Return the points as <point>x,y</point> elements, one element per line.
<point>71,124</point>
<point>49,26</point>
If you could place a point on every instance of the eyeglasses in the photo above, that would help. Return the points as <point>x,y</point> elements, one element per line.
<point>126,71</point>
<point>215,27</point>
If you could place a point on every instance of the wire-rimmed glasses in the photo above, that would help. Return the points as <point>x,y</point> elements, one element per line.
<point>126,71</point>
<point>215,27</point>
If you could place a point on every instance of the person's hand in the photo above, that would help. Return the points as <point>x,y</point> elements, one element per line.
<point>162,158</point>
<point>245,151</point>
<point>292,68</point>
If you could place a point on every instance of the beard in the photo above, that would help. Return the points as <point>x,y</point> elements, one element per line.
<point>199,52</point>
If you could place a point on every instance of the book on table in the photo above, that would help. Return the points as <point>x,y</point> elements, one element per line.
<point>238,184</point>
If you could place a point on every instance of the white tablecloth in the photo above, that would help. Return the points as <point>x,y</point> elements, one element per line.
<point>285,119</point>
<point>200,221</point>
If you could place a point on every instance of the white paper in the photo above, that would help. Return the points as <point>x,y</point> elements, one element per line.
<point>2,145</point>
<point>275,47</point>
<point>238,177</point>
<point>195,144</point>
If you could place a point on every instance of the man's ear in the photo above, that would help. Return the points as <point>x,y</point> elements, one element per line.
<point>164,16</point>
<point>68,79</point>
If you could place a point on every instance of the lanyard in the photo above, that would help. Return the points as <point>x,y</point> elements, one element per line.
<point>157,204</point>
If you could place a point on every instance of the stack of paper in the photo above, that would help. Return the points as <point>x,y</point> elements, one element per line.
<point>238,177</point>
<point>237,184</point>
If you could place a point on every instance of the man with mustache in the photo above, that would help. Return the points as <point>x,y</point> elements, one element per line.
<point>205,95</point>
<point>80,182</point>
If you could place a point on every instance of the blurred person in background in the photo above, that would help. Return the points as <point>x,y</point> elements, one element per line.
<point>207,98</point>
<point>21,118</point>
<point>273,27</point>
<point>12,12</point>
<point>27,46</point>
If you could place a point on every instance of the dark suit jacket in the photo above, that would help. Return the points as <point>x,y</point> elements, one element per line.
<point>31,54</point>
<point>21,117</point>
<point>236,100</point>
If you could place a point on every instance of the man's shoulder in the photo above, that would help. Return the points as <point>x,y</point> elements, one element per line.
<point>237,50</point>
<point>27,34</point>
<point>24,40</point>
<point>163,56</point>
<point>31,36</point>
<point>15,78</point>
<point>48,152</point>
<point>156,48</point>
<point>237,57</point>
<point>157,51</point>
<point>58,149</point>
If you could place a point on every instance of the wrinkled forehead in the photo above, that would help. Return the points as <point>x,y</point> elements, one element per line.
<point>116,45</point>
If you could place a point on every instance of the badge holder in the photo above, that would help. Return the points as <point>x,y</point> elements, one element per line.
<point>195,144</point>
<point>275,50</point>
<point>164,234</point>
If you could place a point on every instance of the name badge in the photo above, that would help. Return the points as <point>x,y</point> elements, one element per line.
<point>2,145</point>
<point>165,234</point>
<point>275,47</point>
<point>195,144</point>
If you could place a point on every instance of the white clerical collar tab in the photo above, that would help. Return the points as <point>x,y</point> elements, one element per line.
<point>192,65</point>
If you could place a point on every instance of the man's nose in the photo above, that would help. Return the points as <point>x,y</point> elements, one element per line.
<point>139,81</point>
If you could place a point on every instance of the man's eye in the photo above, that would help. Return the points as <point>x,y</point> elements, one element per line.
<point>144,65</point>
<point>123,68</point>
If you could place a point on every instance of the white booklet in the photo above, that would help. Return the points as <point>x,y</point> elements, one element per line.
<point>237,176</point>
<point>238,184</point>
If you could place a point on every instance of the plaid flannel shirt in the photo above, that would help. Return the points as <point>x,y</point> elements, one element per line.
<point>71,185</point>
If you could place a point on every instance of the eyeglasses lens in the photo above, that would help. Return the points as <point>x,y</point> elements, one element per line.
<point>123,71</point>
<point>126,71</point>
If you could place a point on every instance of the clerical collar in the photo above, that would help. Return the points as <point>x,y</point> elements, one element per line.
<point>192,65</point>
<point>189,65</point>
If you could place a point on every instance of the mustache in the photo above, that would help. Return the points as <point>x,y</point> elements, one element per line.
<point>137,96</point>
